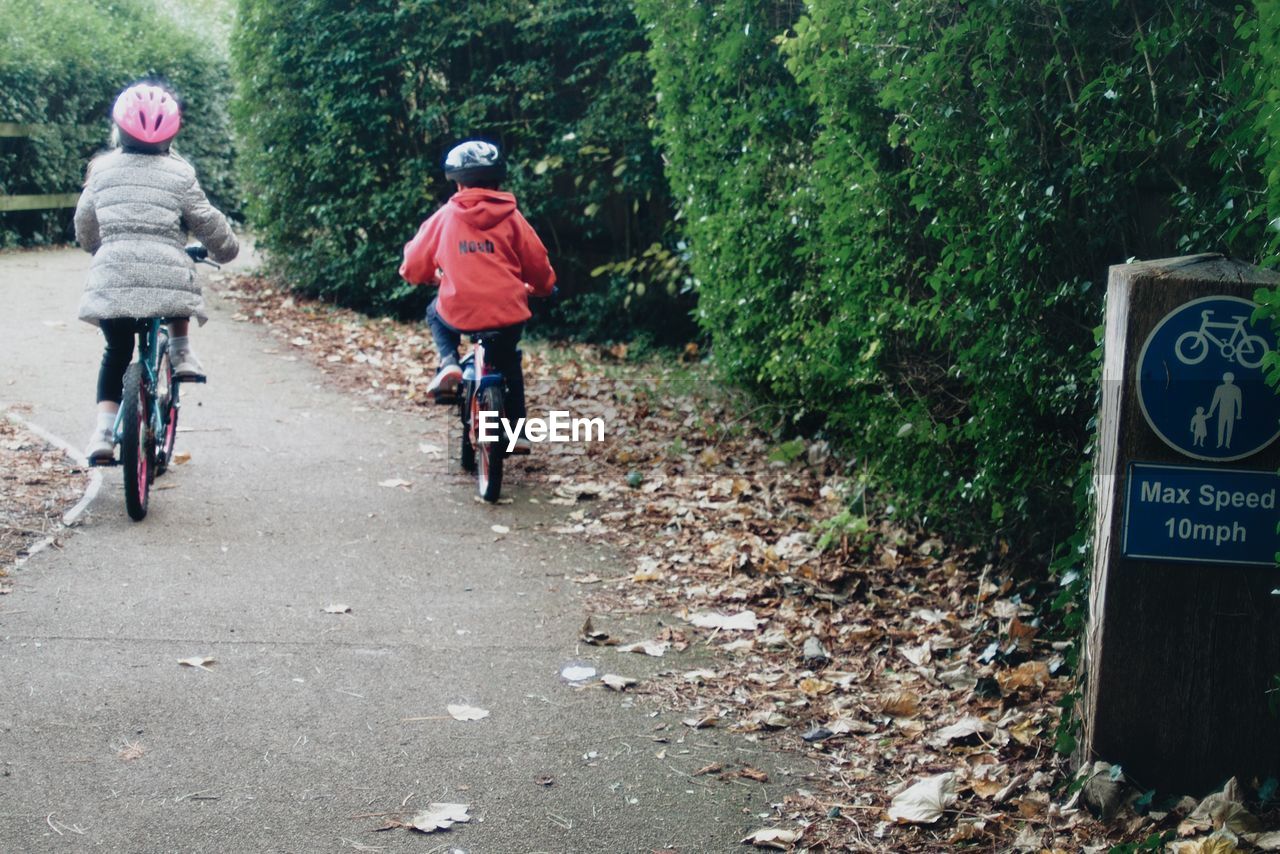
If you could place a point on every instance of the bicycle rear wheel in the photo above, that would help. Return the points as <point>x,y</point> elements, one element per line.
<point>137,446</point>
<point>489,455</point>
<point>167,393</point>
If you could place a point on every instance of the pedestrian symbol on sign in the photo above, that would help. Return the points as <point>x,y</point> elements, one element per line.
<point>1200,380</point>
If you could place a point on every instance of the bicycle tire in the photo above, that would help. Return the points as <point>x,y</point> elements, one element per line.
<point>489,456</point>
<point>1192,341</point>
<point>1252,344</point>
<point>167,391</point>
<point>137,450</point>
<point>467,454</point>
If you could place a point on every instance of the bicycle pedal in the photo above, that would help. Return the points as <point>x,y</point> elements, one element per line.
<point>196,380</point>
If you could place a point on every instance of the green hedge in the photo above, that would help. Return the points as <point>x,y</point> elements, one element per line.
<point>346,114</point>
<point>61,66</point>
<point>915,206</point>
<point>1267,57</point>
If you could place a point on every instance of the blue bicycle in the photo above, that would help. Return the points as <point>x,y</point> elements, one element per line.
<point>147,427</point>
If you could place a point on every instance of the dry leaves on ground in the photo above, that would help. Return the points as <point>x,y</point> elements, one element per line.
<point>873,647</point>
<point>38,483</point>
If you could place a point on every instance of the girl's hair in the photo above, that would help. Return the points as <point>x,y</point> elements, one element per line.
<point>115,142</point>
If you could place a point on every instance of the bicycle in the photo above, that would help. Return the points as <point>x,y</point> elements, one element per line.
<point>146,427</point>
<point>482,390</point>
<point>1192,347</point>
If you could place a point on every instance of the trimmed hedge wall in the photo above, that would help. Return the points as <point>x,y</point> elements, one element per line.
<point>61,66</point>
<point>346,113</point>
<point>901,216</point>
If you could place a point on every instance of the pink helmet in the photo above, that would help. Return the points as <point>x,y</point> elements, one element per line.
<point>148,113</point>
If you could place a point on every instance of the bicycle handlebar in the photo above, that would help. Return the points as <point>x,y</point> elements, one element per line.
<point>200,255</point>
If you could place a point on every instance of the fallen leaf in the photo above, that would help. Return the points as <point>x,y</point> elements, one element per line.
<point>392,483</point>
<point>196,661</point>
<point>917,655</point>
<point>924,802</point>
<point>773,837</point>
<point>500,529</point>
<point>466,713</point>
<point>649,647</point>
<point>181,458</point>
<point>901,704</point>
<point>744,621</point>
<point>713,768</point>
<point>616,682</point>
<point>577,673</point>
<point>961,729</point>
<point>704,722</point>
<point>589,578</point>
<point>440,817</point>
<point>338,609</point>
<point>753,774</point>
<point>811,687</point>
<point>1029,678</point>
<point>590,634</point>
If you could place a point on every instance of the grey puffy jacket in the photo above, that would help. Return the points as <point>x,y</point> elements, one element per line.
<point>133,215</point>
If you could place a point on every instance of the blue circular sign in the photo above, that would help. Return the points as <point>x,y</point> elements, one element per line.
<point>1200,380</point>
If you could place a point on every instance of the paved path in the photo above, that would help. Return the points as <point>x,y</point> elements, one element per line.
<point>298,736</point>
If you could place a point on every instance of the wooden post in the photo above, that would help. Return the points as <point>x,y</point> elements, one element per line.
<point>1183,639</point>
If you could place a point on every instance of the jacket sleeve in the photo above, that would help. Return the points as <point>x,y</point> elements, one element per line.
<point>535,266</point>
<point>419,266</point>
<point>87,234</point>
<point>207,224</point>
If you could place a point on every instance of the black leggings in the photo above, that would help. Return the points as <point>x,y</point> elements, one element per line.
<point>120,333</point>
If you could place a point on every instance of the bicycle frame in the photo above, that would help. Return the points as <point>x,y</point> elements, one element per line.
<point>1237,329</point>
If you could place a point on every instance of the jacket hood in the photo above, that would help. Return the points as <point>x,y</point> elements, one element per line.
<point>481,208</point>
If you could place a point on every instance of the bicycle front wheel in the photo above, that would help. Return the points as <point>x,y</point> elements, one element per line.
<point>489,455</point>
<point>137,446</point>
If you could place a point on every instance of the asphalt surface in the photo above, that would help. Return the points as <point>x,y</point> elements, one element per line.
<point>311,729</point>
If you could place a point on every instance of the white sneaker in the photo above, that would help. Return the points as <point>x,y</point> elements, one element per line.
<point>186,366</point>
<point>102,446</point>
<point>446,382</point>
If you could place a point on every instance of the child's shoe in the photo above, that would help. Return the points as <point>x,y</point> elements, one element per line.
<point>186,367</point>
<point>102,446</point>
<point>446,381</point>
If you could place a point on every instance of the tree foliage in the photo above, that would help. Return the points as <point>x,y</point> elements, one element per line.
<point>61,66</point>
<point>346,113</point>
<point>901,215</point>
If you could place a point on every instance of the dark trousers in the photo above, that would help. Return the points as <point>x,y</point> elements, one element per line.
<point>500,349</point>
<point>120,332</point>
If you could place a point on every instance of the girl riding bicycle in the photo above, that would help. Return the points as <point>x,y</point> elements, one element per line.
<point>139,201</point>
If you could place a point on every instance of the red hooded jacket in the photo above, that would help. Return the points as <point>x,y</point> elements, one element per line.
<point>488,252</point>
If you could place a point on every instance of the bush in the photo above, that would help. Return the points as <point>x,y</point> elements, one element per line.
<point>62,65</point>
<point>346,114</point>
<point>909,231</point>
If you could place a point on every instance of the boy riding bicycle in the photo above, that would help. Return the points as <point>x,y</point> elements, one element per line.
<point>487,260</point>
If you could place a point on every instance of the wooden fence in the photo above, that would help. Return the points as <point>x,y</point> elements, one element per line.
<point>48,201</point>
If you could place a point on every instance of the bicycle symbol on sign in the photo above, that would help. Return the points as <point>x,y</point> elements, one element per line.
<point>1249,350</point>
